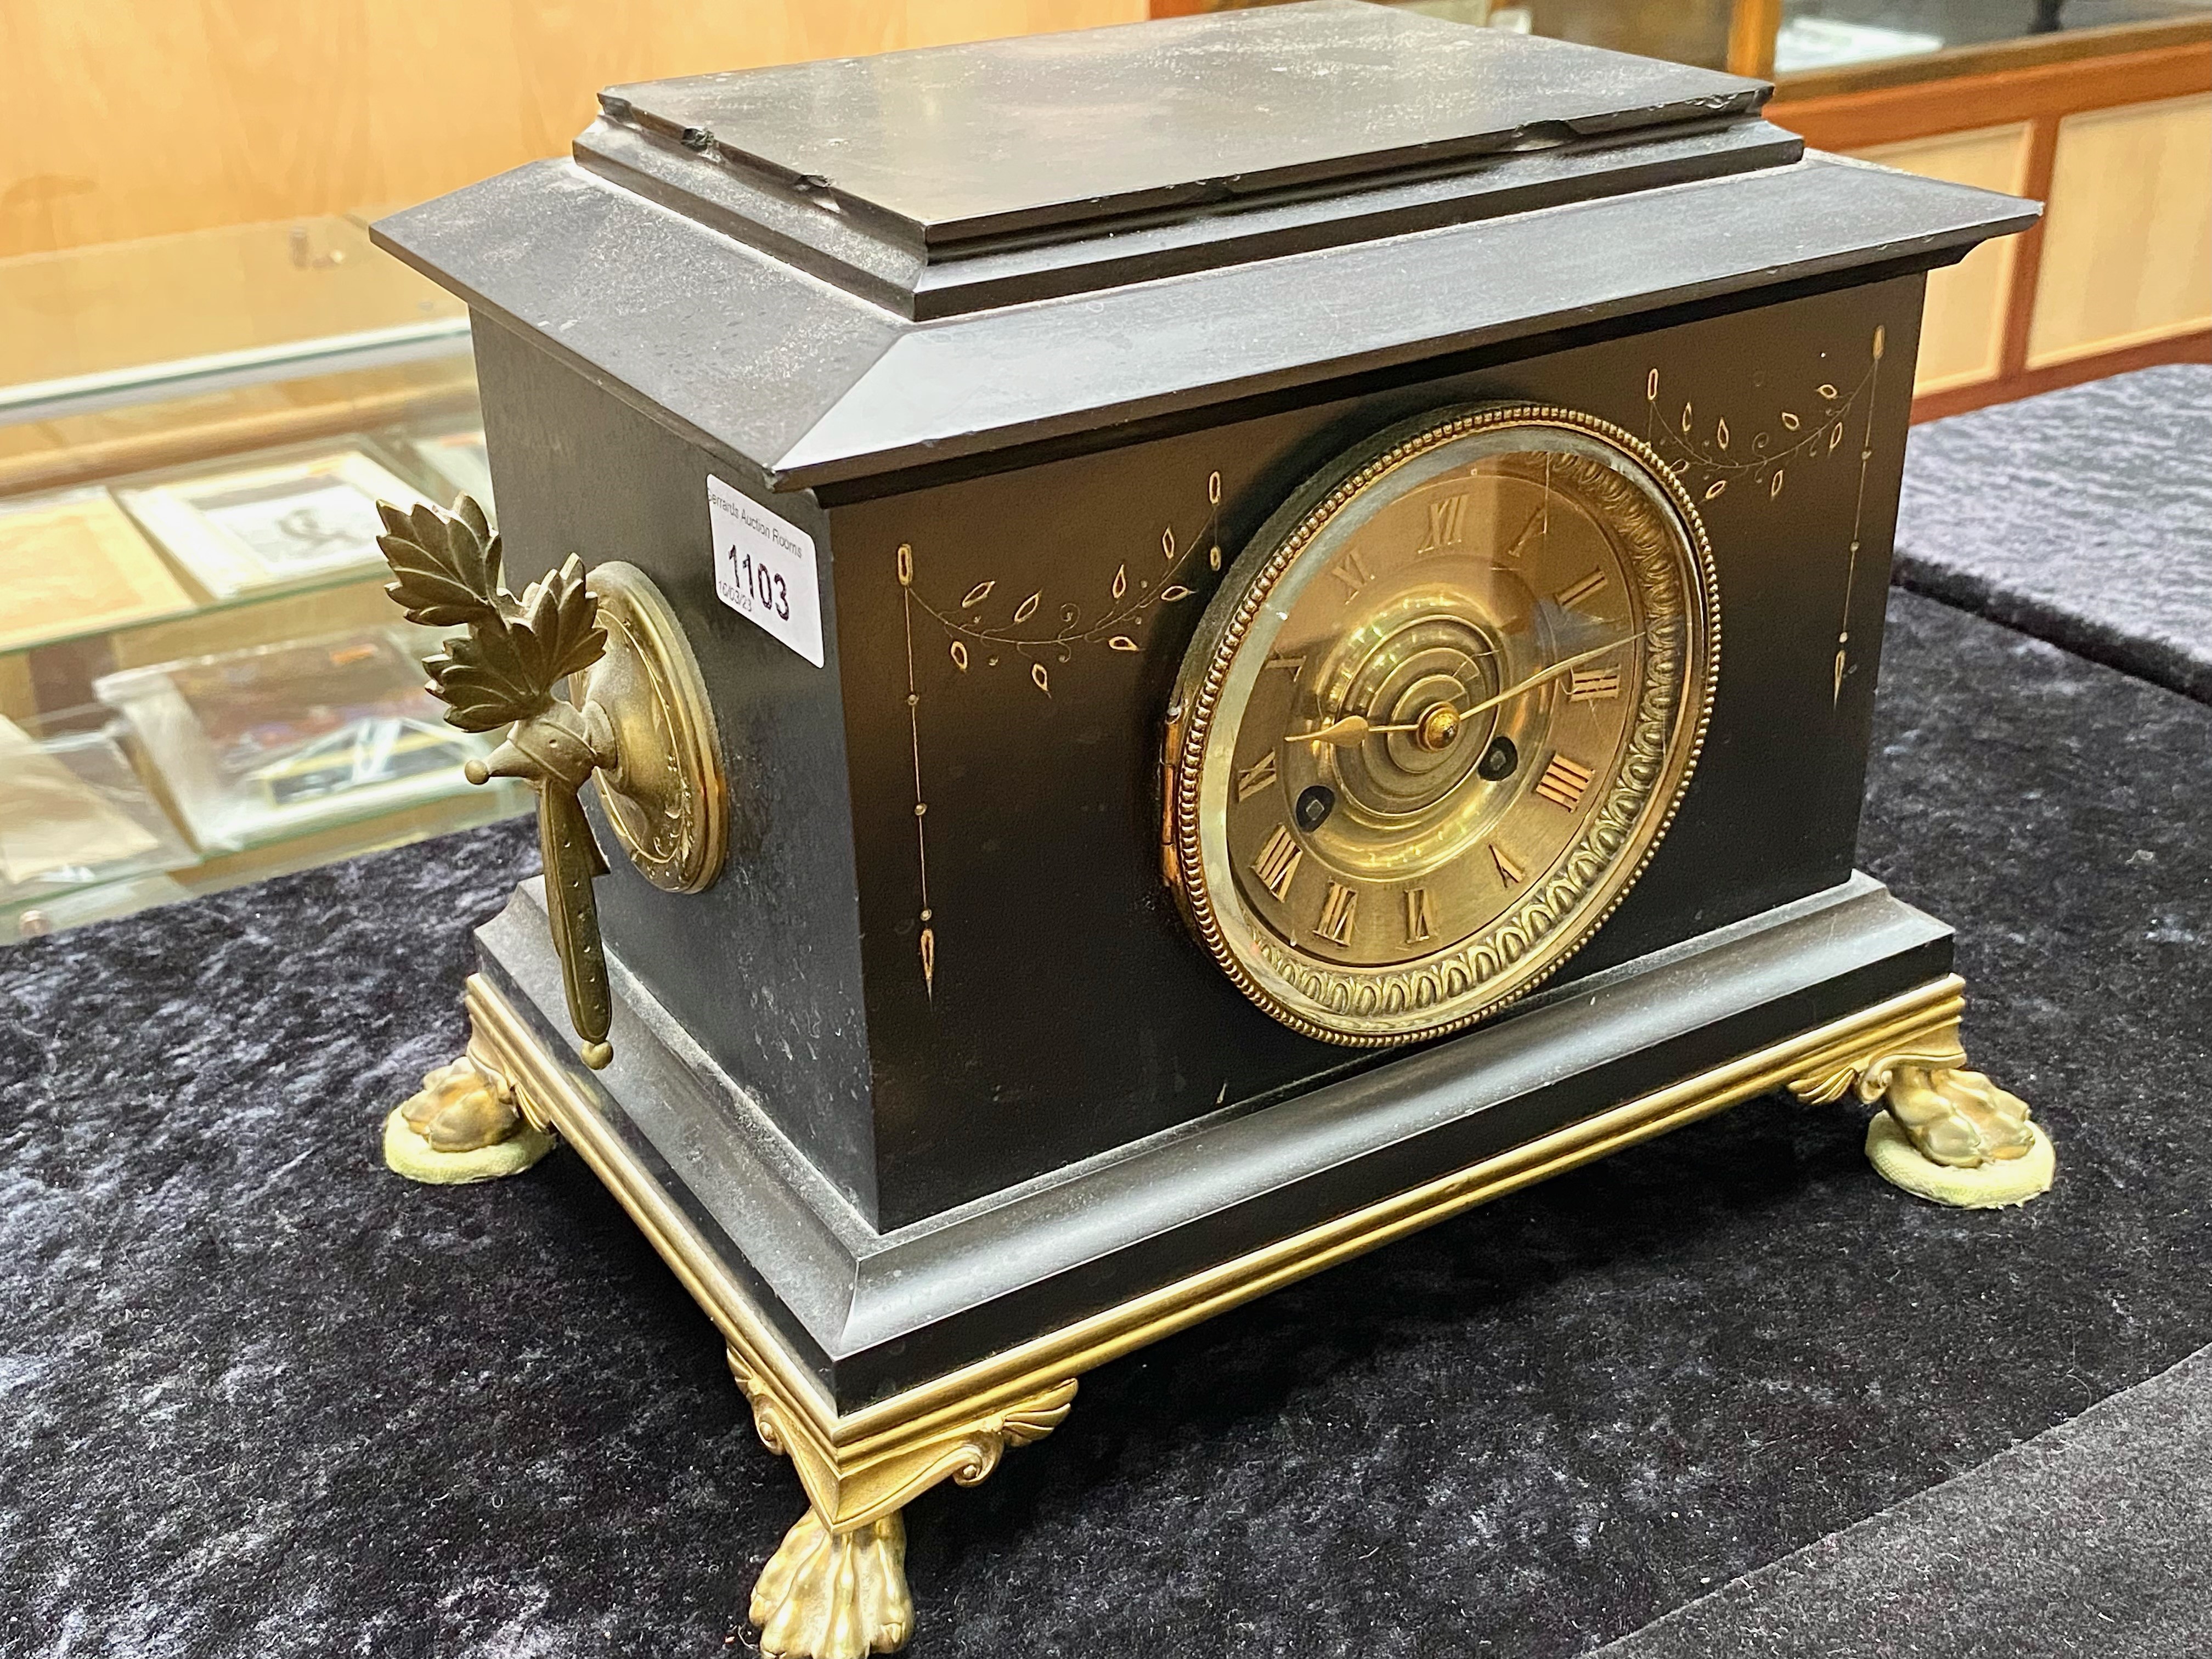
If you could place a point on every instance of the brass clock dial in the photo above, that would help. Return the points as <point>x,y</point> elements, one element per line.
<point>1436,719</point>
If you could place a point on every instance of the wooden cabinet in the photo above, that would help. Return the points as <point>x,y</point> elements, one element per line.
<point>2127,253</point>
<point>1962,335</point>
<point>126,120</point>
<point>2117,145</point>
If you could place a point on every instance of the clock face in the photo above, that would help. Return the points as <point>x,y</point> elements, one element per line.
<point>1436,719</point>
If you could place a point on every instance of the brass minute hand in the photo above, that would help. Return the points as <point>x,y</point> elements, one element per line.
<point>1354,729</point>
<point>1540,676</point>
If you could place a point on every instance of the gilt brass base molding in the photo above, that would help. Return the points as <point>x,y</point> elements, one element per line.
<point>837,1586</point>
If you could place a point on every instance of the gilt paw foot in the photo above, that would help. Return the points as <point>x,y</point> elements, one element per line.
<point>835,1595</point>
<point>1955,1137</point>
<point>462,1125</point>
<point>1958,1117</point>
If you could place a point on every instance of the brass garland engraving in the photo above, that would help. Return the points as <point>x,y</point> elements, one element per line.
<point>1728,458</point>
<point>926,938</point>
<point>1350,1006</point>
<point>640,721</point>
<point>975,640</point>
<point>1858,518</point>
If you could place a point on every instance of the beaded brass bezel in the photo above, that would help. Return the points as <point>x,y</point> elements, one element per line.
<point>1473,977</point>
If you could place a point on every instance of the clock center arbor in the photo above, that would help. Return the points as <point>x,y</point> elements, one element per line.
<point>1216,639</point>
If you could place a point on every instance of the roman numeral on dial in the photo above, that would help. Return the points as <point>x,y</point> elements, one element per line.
<point>1587,588</point>
<point>1260,775</point>
<point>1447,523</point>
<point>1420,917</point>
<point>1536,523</point>
<point>1351,570</point>
<point>1279,861</point>
<point>1594,685</point>
<point>1337,911</point>
<point>1565,781</point>
<point>1508,871</point>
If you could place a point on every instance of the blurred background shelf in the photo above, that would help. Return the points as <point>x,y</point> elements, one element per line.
<point>193,432</point>
<point>187,291</point>
<point>172,349</point>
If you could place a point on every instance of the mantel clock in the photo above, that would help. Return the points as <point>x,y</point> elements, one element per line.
<point>1154,657</point>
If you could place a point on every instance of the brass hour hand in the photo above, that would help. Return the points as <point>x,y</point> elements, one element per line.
<point>1436,727</point>
<point>1347,732</point>
<point>503,672</point>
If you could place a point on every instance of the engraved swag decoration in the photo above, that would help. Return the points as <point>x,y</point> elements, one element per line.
<point>974,640</point>
<point>1763,462</point>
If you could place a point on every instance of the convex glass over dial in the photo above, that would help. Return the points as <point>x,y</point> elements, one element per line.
<point>1436,719</point>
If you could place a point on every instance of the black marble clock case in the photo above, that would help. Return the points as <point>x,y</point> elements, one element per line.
<point>935,1063</point>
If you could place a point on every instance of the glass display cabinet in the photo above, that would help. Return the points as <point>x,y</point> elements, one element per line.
<point>200,680</point>
<point>1783,37</point>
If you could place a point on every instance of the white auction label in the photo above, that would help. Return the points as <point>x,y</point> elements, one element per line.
<point>765,569</point>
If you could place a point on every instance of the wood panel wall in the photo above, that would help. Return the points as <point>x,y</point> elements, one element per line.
<point>124,119</point>
<point>2118,275</point>
<point>2127,254</point>
<point>1962,331</point>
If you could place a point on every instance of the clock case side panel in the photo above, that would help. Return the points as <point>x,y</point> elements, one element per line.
<point>1009,644</point>
<point>1802,518</point>
<point>1062,1010</point>
<point>762,968</point>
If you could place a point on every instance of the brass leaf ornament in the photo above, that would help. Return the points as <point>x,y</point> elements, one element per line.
<point>445,566</point>
<point>446,570</point>
<point>503,673</point>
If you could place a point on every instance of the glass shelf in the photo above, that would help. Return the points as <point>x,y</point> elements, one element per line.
<point>191,447</point>
<point>1687,31</point>
<point>1817,35</point>
<point>1842,44</point>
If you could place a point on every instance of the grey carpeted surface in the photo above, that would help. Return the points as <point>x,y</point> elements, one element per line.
<point>2095,1537</point>
<point>2083,517</point>
<point>263,1399</point>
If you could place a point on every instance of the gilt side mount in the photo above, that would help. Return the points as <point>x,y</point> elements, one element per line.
<point>636,717</point>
